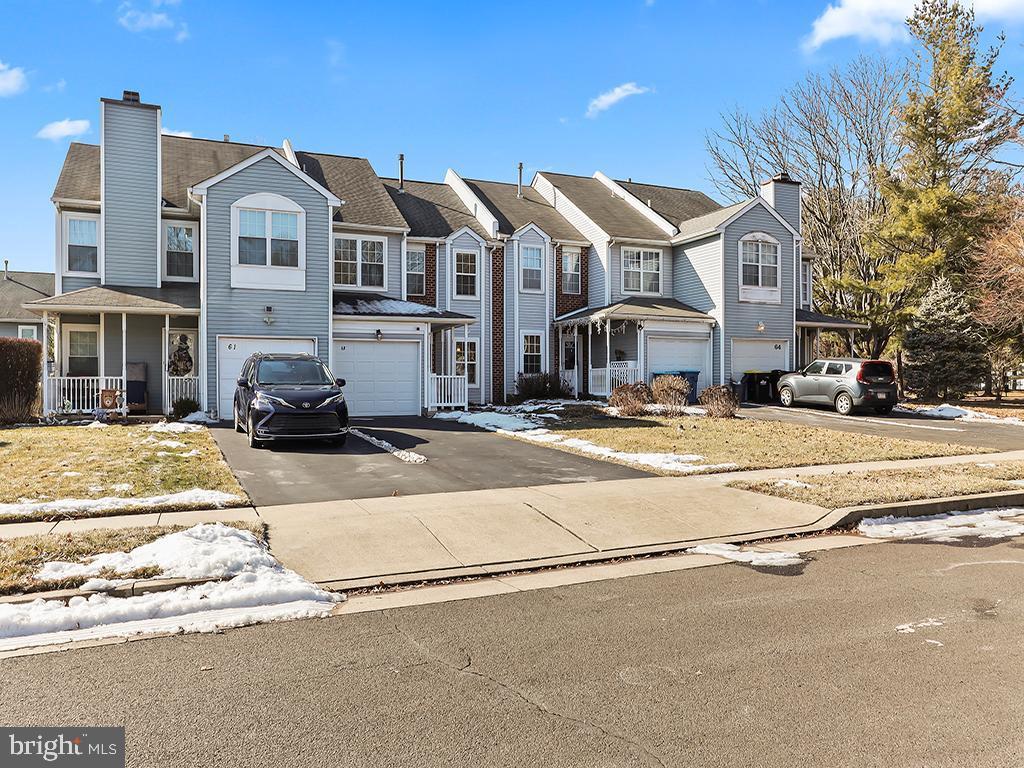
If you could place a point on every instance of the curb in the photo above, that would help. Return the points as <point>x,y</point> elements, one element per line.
<point>136,588</point>
<point>850,516</point>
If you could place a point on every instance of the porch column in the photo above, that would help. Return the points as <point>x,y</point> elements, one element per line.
<point>590,355</point>
<point>102,349</point>
<point>124,363</point>
<point>608,351</point>
<point>58,358</point>
<point>46,352</point>
<point>560,353</point>
<point>640,362</point>
<point>165,374</point>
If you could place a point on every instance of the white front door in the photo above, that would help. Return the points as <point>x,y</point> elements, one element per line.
<point>759,355</point>
<point>232,351</point>
<point>666,354</point>
<point>382,378</point>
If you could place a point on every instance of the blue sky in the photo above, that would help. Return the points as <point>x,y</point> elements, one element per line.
<point>475,86</point>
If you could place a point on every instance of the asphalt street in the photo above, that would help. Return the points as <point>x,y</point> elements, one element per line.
<point>719,666</point>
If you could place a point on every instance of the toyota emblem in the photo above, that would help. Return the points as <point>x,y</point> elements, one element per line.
<point>306,404</point>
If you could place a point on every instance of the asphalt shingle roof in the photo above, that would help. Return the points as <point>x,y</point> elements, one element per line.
<point>514,212</point>
<point>609,211</point>
<point>652,307</point>
<point>812,318</point>
<point>709,220</point>
<point>673,203</point>
<point>353,180</point>
<point>432,209</point>
<point>168,298</point>
<point>21,287</point>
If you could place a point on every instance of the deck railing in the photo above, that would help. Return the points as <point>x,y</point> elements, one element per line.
<point>182,386</point>
<point>448,391</point>
<point>77,394</point>
<point>604,380</point>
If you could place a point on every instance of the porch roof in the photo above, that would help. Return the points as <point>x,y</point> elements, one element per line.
<point>367,305</point>
<point>636,308</point>
<point>169,299</point>
<point>807,318</point>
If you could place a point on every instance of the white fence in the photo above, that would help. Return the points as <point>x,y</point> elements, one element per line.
<point>604,380</point>
<point>181,386</point>
<point>77,394</point>
<point>448,391</point>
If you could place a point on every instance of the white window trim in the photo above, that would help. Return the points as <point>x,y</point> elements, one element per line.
<point>33,328</point>
<point>756,294</point>
<point>414,247</point>
<point>806,276</point>
<point>456,296</point>
<point>164,224</point>
<point>543,271</point>
<point>360,239</point>
<point>471,382</point>
<point>67,216</point>
<point>578,253</point>
<point>268,276</point>
<point>65,346</point>
<point>622,270</point>
<point>522,350</point>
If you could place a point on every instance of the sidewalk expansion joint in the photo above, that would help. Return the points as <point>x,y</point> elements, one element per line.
<point>567,530</point>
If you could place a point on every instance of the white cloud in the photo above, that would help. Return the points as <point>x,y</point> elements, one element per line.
<point>135,20</point>
<point>57,87</point>
<point>883,21</point>
<point>609,99</point>
<point>182,35</point>
<point>63,129</point>
<point>183,134</point>
<point>12,80</point>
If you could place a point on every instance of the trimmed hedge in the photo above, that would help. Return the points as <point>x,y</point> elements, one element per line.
<point>21,369</point>
<point>540,386</point>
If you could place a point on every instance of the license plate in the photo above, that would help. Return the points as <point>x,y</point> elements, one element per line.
<point>882,395</point>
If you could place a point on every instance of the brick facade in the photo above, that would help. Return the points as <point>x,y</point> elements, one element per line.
<point>430,277</point>
<point>498,325</point>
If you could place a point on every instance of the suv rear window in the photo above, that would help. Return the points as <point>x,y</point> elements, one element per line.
<point>877,370</point>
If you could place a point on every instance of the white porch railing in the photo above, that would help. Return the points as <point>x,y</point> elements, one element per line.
<point>448,391</point>
<point>77,394</point>
<point>604,380</point>
<point>181,386</point>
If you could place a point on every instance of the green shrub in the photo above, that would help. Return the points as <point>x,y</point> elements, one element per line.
<point>631,399</point>
<point>183,406</point>
<point>671,391</point>
<point>720,401</point>
<point>540,386</point>
<point>21,369</point>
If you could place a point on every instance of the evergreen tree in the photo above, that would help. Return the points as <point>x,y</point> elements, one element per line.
<point>944,348</point>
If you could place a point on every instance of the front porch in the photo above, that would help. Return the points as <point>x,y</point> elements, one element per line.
<point>129,350</point>
<point>810,325</point>
<point>633,340</point>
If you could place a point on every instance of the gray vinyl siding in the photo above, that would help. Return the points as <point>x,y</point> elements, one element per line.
<point>597,259</point>
<point>239,311</point>
<point>131,225</point>
<point>11,329</point>
<point>392,255</point>
<point>472,307</point>
<point>623,344</point>
<point>615,258</point>
<point>741,318</point>
<point>69,284</point>
<point>532,315</point>
<point>697,282</point>
<point>787,203</point>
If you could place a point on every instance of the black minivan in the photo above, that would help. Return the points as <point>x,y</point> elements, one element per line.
<point>288,397</point>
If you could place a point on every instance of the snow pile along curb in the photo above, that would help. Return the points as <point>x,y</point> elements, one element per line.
<point>257,589</point>
<point>410,457</point>
<point>957,413</point>
<point>757,558</point>
<point>947,526</point>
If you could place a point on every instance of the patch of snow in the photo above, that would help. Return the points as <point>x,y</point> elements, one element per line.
<point>986,464</point>
<point>95,488</point>
<point>198,417</point>
<point>167,443</point>
<point>121,487</point>
<point>391,307</point>
<point>758,558</point>
<point>175,427</point>
<point>912,627</point>
<point>196,497</point>
<point>958,413</point>
<point>96,425</point>
<point>71,474</point>
<point>489,420</point>
<point>257,589</point>
<point>186,455</point>
<point>410,457</point>
<point>785,482</point>
<point>951,526</point>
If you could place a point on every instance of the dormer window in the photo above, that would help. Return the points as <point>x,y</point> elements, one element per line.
<point>268,243</point>
<point>759,269</point>
<point>81,235</point>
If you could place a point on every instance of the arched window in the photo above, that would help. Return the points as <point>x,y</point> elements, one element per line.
<point>268,243</point>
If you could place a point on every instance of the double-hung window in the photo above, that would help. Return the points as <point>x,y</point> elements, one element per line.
<point>416,270</point>
<point>570,270</point>
<point>82,245</point>
<point>254,245</point>
<point>180,251</point>
<point>532,355</point>
<point>465,361</point>
<point>465,274</point>
<point>268,243</point>
<point>28,332</point>
<point>82,350</point>
<point>641,270</point>
<point>805,283</point>
<point>531,268</point>
<point>359,262</point>
<point>759,268</point>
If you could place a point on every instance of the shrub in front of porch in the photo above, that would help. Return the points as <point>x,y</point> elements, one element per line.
<point>21,370</point>
<point>540,386</point>
<point>631,399</point>
<point>184,406</point>
<point>720,401</point>
<point>671,391</point>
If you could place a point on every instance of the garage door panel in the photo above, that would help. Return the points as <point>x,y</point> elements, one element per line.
<point>381,378</point>
<point>233,351</point>
<point>759,355</point>
<point>677,354</point>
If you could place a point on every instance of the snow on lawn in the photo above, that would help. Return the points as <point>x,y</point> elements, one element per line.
<point>489,420</point>
<point>175,427</point>
<point>947,411</point>
<point>785,482</point>
<point>96,425</point>
<point>756,557</point>
<point>983,524</point>
<point>196,498</point>
<point>255,588</point>
<point>198,417</point>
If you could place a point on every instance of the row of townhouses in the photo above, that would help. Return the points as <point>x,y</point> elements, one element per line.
<point>176,258</point>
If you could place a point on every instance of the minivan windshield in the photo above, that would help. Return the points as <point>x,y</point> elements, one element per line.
<point>292,372</point>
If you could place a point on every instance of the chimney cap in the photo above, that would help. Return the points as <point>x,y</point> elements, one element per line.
<point>783,177</point>
<point>131,97</point>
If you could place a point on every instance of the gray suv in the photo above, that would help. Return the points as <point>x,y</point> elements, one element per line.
<point>845,383</point>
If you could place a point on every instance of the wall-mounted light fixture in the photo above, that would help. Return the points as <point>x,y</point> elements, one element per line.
<point>267,312</point>
<point>760,326</point>
<point>379,334</point>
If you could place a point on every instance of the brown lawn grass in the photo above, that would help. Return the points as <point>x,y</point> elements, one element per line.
<point>50,463</point>
<point>895,485</point>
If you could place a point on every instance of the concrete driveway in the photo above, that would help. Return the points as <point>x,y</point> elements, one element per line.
<point>1000,437</point>
<point>459,458</point>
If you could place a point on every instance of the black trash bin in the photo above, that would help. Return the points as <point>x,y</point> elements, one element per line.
<point>748,392</point>
<point>757,386</point>
<point>774,379</point>
<point>692,377</point>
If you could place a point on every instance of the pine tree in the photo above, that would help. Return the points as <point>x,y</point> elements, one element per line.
<point>944,348</point>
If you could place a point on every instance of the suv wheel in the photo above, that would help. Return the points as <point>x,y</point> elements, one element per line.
<point>844,404</point>
<point>254,442</point>
<point>238,420</point>
<point>786,397</point>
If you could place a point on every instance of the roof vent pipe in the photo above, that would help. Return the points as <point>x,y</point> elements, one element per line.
<point>519,186</point>
<point>401,172</point>
<point>649,203</point>
<point>227,137</point>
<point>7,275</point>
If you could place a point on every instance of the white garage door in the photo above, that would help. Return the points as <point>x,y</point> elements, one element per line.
<point>382,378</point>
<point>665,354</point>
<point>232,351</point>
<point>759,355</point>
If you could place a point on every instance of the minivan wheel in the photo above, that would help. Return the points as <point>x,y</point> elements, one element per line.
<point>786,397</point>
<point>238,420</point>
<point>844,404</point>
<point>254,442</point>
